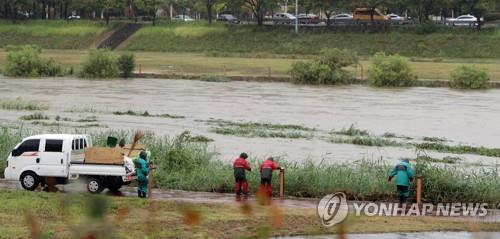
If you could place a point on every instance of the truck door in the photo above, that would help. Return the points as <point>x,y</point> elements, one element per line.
<point>27,154</point>
<point>53,160</point>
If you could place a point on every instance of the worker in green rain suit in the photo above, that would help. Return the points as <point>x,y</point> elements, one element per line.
<point>404,175</point>
<point>142,171</point>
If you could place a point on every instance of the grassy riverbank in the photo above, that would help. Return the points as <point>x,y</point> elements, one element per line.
<point>187,163</point>
<point>52,215</point>
<point>221,39</point>
<point>199,64</point>
<point>51,34</point>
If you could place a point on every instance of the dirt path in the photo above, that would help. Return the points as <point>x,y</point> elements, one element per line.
<point>179,195</point>
<point>225,198</point>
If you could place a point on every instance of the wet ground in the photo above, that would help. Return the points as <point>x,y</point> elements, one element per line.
<point>308,204</point>
<point>469,117</point>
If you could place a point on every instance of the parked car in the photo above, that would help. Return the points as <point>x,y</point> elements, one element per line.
<point>73,17</point>
<point>62,157</point>
<point>308,18</point>
<point>340,19</point>
<point>228,18</point>
<point>284,18</point>
<point>365,14</point>
<point>464,20</point>
<point>342,16</point>
<point>395,17</point>
<point>182,18</point>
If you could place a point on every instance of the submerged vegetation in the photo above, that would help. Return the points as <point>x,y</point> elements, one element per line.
<point>35,116</point>
<point>366,141</point>
<point>20,104</point>
<point>460,149</point>
<point>352,131</point>
<point>263,130</point>
<point>147,114</point>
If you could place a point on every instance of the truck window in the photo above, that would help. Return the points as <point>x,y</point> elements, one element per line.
<point>53,145</point>
<point>81,144</point>
<point>29,146</point>
<point>84,143</point>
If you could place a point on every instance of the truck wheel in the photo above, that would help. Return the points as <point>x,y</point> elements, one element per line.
<point>114,184</point>
<point>30,181</point>
<point>94,185</point>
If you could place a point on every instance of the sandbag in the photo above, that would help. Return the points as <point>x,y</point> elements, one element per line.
<point>103,155</point>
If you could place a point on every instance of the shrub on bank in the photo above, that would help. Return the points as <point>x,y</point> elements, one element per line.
<point>100,64</point>
<point>390,70</point>
<point>103,63</point>
<point>26,61</point>
<point>326,69</point>
<point>126,65</point>
<point>469,77</point>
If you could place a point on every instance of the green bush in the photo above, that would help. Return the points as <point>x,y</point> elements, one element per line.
<point>25,60</point>
<point>100,64</point>
<point>390,71</point>
<point>126,65</point>
<point>214,78</point>
<point>325,69</point>
<point>469,77</point>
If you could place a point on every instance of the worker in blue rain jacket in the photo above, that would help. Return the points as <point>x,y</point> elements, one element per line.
<point>403,173</point>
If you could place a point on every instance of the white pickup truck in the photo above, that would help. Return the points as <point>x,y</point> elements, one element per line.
<point>61,157</point>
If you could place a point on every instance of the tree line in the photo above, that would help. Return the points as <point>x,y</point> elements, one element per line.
<point>254,9</point>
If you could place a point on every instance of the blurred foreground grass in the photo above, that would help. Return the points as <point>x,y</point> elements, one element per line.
<point>59,215</point>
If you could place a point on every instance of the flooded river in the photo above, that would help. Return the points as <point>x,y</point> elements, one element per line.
<point>465,117</point>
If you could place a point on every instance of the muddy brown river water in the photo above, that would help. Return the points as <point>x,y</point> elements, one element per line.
<point>469,117</point>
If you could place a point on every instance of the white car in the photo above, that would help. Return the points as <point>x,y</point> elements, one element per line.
<point>284,18</point>
<point>182,18</point>
<point>464,20</point>
<point>343,16</point>
<point>395,17</point>
<point>62,157</point>
<point>73,17</point>
<point>341,19</point>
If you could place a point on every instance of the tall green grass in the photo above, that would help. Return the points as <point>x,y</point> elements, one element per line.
<point>187,164</point>
<point>51,34</point>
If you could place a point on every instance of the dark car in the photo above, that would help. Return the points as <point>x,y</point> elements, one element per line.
<point>228,18</point>
<point>308,19</point>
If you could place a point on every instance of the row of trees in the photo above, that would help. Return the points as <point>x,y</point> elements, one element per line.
<point>256,9</point>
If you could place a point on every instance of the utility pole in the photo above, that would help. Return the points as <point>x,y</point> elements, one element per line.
<point>296,16</point>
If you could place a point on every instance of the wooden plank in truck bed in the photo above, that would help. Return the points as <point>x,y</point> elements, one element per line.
<point>103,155</point>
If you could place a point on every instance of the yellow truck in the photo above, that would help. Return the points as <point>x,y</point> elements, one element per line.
<point>365,14</point>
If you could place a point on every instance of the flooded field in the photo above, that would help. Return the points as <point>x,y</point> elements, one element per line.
<point>469,118</point>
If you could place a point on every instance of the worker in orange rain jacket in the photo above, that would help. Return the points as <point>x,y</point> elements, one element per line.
<point>266,174</point>
<point>240,166</point>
